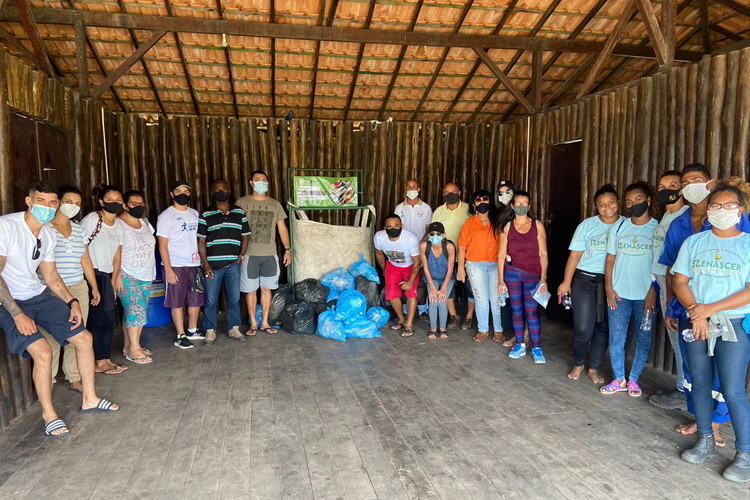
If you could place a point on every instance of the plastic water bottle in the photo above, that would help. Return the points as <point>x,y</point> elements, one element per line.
<point>501,299</point>
<point>648,321</point>
<point>567,302</point>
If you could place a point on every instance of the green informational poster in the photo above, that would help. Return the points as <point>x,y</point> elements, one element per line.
<point>314,191</point>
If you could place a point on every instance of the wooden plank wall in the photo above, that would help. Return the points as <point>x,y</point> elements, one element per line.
<point>31,93</point>
<point>699,113</point>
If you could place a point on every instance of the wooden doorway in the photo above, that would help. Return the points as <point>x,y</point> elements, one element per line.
<point>564,209</point>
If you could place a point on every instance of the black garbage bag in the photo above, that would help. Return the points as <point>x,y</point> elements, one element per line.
<point>369,289</point>
<point>300,317</point>
<point>281,296</point>
<point>310,290</point>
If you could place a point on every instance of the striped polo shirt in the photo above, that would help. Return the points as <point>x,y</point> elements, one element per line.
<point>223,234</point>
<point>68,254</point>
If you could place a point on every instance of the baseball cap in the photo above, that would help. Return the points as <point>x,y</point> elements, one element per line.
<point>437,227</point>
<point>506,184</point>
<point>178,184</point>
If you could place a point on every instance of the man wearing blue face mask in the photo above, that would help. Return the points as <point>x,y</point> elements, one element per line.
<point>28,244</point>
<point>260,269</point>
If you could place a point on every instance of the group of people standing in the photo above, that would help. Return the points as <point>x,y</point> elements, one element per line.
<point>693,264</point>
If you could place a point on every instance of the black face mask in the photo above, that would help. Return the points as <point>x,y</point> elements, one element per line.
<point>451,198</point>
<point>221,196</point>
<point>639,209</point>
<point>137,212</point>
<point>669,196</point>
<point>182,199</point>
<point>393,232</point>
<point>113,207</point>
<point>483,208</point>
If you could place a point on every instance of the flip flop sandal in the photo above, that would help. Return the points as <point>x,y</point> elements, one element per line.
<point>397,327</point>
<point>432,334</point>
<point>408,332</point>
<point>269,330</point>
<point>145,351</point>
<point>443,334</point>
<point>510,342</point>
<point>143,360</point>
<point>55,425</point>
<point>112,371</point>
<point>251,332</point>
<point>103,406</point>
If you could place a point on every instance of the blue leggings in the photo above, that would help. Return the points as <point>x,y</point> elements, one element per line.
<point>520,290</point>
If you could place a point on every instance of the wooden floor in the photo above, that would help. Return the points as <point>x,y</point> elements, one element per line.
<point>303,417</point>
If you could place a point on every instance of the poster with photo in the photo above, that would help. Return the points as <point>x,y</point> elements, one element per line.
<point>325,192</point>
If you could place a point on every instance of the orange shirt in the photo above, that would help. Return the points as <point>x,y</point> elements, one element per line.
<point>480,241</point>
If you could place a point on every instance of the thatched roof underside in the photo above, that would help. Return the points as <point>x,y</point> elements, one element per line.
<point>459,89</point>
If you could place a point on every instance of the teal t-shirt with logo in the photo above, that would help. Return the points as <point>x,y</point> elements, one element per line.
<point>591,238</point>
<point>717,267</point>
<point>633,247</point>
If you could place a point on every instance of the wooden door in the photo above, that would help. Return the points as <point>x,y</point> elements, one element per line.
<point>564,209</point>
<point>23,158</point>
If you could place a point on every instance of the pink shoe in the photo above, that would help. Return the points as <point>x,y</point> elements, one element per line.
<point>634,389</point>
<point>613,387</point>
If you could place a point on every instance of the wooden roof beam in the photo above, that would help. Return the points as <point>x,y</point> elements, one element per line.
<point>272,9</point>
<point>705,33</point>
<point>82,58</point>
<point>29,24</point>
<point>397,69</point>
<point>127,64</point>
<point>503,79</point>
<point>654,30</point>
<point>334,34</point>
<point>168,6</point>
<point>328,22</point>
<point>230,73</point>
<point>608,46</point>
<point>16,43</point>
<point>742,9</point>
<point>443,57</point>
<point>567,83</point>
<point>503,19</point>
<point>726,33</point>
<point>360,53</point>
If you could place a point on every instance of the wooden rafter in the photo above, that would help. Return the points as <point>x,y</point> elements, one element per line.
<point>552,60</point>
<point>536,79</point>
<point>487,60</point>
<point>328,22</point>
<point>503,19</point>
<point>608,46</point>
<point>705,26</point>
<point>360,53</point>
<point>178,44</point>
<point>29,24</point>
<point>220,11</point>
<point>742,9</point>
<point>397,69</point>
<point>334,34</point>
<point>514,60</point>
<point>443,57</point>
<point>150,78</point>
<point>668,28</point>
<point>82,58</point>
<point>127,64</point>
<point>726,33</point>
<point>272,9</point>
<point>16,43</point>
<point>571,79</point>
<point>654,30</point>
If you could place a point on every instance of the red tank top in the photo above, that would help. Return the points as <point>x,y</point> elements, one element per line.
<point>523,249</point>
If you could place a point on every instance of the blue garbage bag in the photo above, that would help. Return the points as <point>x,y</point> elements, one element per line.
<point>379,315</point>
<point>329,327</point>
<point>359,327</point>
<point>364,268</point>
<point>337,281</point>
<point>350,303</point>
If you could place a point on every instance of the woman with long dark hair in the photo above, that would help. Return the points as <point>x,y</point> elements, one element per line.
<point>477,259</point>
<point>523,250</point>
<point>627,281</point>
<point>584,281</point>
<point>104,235</point>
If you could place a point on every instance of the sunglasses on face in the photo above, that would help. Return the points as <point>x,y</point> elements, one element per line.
<point>480,199</point>
<point>37,250</point>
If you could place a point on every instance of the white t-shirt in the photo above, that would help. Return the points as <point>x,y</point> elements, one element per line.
<point>659,235</point>
<point>399,253</point>
<point>17,245</point>
<point>415,218</point>
<point>103,247</point>
<point>138,247</point>
<point>181,229</point>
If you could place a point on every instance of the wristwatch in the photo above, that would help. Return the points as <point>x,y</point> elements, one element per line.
<point>70,302</point>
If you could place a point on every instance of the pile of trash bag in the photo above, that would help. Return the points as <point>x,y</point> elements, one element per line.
<point>364,269</point>
<point>281,296</point>
<point>337,281</point>
<point>300,317</point>
<point>311,290</point>
<point>350,318</point>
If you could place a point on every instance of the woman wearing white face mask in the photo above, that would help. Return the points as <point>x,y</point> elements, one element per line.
<point>712,282</point>
<point>73,264</point>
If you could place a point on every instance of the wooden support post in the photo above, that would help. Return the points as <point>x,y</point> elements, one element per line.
<point>273,64</point>
<point>608,46</point>
<point>127,64</point>
<point>653,30</point>
<point>668,19</point>
<point>705,33</point>
<point>24,9</point>
<point>6,174</point>
<point>82,57</point>
<point>536,79</point>
<point>503,78</point>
